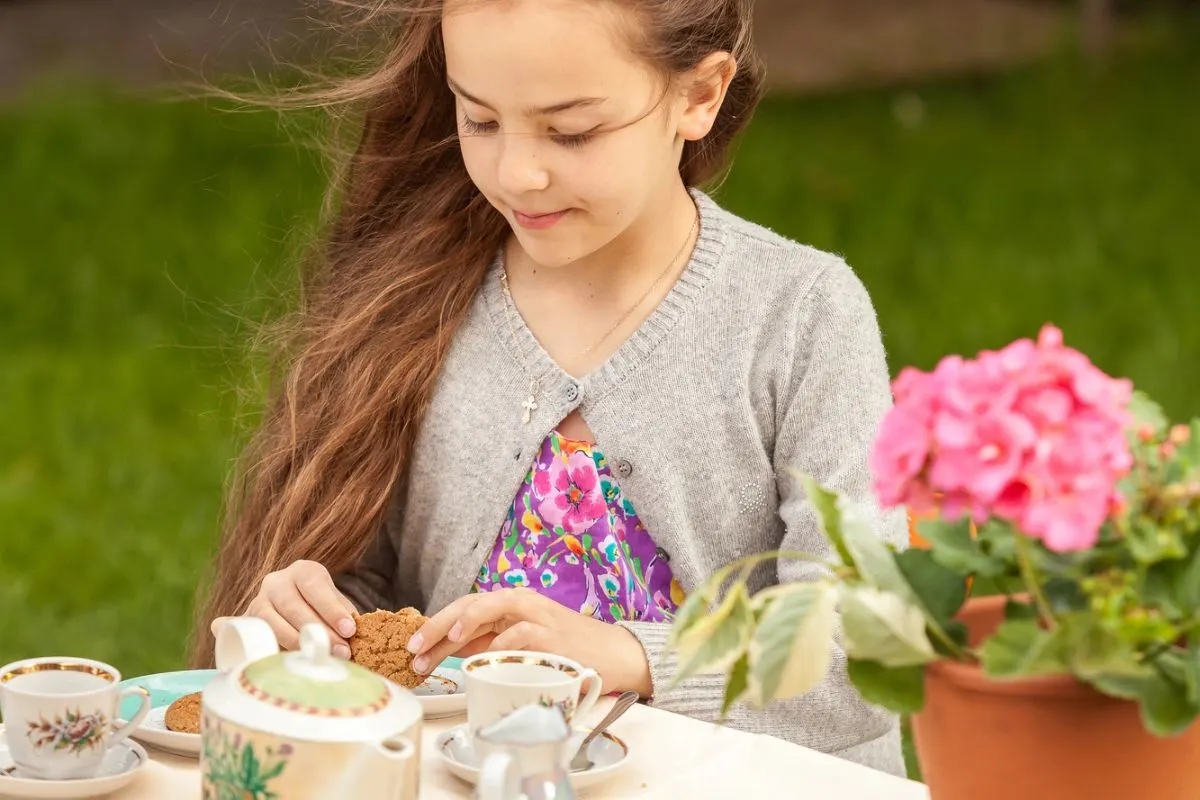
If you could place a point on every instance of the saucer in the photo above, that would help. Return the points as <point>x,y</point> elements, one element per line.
<point>444,692</point>
<point>121,765</point>
<point>609,754</point>
<point>165,688</point>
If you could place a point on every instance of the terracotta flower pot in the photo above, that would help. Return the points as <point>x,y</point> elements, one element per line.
<point>1041,738</point>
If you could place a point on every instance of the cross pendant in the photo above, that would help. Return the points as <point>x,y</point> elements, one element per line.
<point>530,405</point>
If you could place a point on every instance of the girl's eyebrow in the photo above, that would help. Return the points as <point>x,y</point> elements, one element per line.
<point>545,111</point>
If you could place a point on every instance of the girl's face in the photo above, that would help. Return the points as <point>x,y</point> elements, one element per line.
<point>561,125</point>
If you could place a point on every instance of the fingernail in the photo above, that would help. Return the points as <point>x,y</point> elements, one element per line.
<point>455,632</point>
<point>341,651</point>
<point>421,664</point>
<point>346,627</point>
<point>415,642</point>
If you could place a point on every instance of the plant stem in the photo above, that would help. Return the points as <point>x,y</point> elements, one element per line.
<point>942,636</point>
<point>1030,578</point>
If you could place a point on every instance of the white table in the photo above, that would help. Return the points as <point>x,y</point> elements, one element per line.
<point>671,757</point>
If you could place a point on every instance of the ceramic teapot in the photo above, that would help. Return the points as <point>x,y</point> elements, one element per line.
<point>303,725</point>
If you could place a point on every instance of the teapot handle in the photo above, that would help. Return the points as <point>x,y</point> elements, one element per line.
<point>241,640</point>
<point>499,778</point>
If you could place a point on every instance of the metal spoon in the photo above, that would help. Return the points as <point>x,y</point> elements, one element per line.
<point>623,703</point>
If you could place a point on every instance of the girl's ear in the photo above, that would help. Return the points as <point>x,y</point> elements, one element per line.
<point>705,88</point>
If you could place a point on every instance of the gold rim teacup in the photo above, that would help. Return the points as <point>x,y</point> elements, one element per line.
<point>498,683</point>
<point>60,715</point>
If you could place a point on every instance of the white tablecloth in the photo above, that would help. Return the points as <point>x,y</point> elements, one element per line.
<point>671,757</point>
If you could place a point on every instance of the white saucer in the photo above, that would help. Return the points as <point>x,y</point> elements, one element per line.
<point>609,754</point>
<point>154,732</point>
<point>443,694</point>
<point>121,765</point>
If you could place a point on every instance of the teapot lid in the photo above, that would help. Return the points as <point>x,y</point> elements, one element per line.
<point>532,724</point>
<point>313,682</point>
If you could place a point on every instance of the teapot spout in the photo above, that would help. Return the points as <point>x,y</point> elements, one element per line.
<point>397,748</point>
<point>396,757</point>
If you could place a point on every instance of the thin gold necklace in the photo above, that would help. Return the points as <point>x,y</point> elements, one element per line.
<point>531,404</point>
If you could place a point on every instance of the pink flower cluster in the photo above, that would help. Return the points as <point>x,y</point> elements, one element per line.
<point>1033,434</point>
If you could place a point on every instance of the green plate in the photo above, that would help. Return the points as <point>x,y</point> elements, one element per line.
<point>165,687</point>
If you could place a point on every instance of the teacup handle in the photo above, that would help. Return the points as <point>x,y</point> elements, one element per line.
<point>122,733</point>
<point>592,678</point>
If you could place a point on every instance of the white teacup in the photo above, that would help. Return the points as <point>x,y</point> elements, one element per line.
<point>59,715</point>
<point>500,682</point>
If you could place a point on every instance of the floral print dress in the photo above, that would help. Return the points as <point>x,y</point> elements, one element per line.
<point>572,535</point>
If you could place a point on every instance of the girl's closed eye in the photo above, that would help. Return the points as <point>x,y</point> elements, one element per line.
<point>474,128</point>
<point>573,139</point>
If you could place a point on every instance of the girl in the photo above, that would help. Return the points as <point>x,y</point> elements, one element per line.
<point>543,384</point>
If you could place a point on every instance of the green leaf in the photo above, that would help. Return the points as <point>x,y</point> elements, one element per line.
<point>953,548</point>
<point>713,644</point>
<point>695,607</point>
<point>1163,703</point>
<point>738,683</point>
<point>1145,412</point>
<point>998,541</point>
<point>1182,667</point>
<point>1089,648</point>
<point>1064,595</point>
<point>1150,543</point>
<point>876,562</point>
<point>1016,610</point>
<point>1160,586</point>
<point>791,647</point>
<point>1021,649</point>
<point>958,634</point>
<point>825,503</point>
<point>1189,583</point>
<point>941,590</point>
<point>898,689</point>
<point>1188,453</point>
<point>883,626</point>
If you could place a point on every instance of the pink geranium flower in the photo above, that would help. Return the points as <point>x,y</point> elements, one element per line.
<point>1034,434</point>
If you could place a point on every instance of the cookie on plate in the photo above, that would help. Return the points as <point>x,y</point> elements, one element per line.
<point>380,644</point>
<point>183,716</point>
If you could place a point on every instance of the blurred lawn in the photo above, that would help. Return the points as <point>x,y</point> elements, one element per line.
<point>137,237</point>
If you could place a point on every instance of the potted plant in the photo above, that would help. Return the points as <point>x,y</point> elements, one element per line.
<point>1071,508</point>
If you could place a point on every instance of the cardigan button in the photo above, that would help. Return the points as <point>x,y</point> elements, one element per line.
<point>624,468</point>
<point>663,555</point>
<point>572,392</point>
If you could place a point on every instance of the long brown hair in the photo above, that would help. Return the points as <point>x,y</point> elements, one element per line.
<point>404,254</point>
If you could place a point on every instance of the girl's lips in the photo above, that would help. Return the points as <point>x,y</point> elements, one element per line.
<point>539,222</point>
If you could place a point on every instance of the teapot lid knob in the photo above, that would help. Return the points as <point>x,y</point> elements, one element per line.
<point>315,643</point>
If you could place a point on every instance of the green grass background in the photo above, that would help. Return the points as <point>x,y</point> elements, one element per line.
<point>139,238</point>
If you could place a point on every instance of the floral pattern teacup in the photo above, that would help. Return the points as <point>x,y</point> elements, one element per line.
<point>59,715</point>
<point>500,682</point>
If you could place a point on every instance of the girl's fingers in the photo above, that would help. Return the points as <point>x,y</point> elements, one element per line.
<point>318,591</point>
<point>295,610</point>
<point>522,636</point>
<point>287,635</point>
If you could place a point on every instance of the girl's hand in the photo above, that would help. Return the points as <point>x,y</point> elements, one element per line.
<point>302,593</point>
<point>522,619</point>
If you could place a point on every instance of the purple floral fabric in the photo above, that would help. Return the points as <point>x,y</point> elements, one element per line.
<point>572,536</point>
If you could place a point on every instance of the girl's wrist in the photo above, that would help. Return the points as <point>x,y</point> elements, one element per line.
<point>630,670</point>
